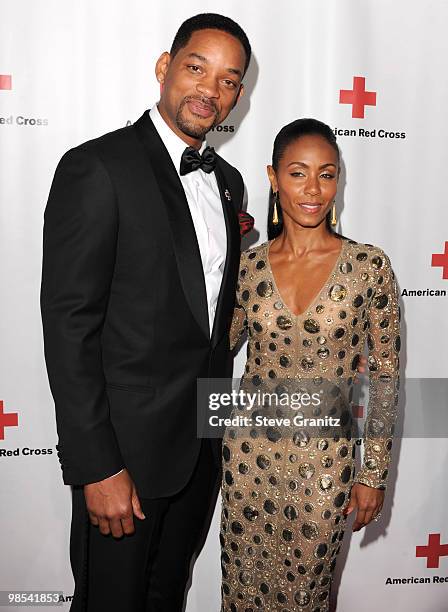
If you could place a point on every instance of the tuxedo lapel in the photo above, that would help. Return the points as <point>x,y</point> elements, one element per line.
<point>227,289</point>
<point>185,244</point>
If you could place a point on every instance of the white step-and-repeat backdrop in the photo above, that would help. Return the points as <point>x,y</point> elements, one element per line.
<point>375,71</point>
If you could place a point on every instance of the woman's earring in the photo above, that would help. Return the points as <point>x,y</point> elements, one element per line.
<point>333,214</point>
<point>275,212</point>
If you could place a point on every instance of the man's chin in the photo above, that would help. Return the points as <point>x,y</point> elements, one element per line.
<point>195,127</point>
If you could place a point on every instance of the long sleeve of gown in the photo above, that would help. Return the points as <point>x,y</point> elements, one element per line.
<point>239,320</point>
<point>384,345</point>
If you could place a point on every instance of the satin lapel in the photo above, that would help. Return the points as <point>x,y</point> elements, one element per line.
<point>224,307</point>
<point>185,242</point>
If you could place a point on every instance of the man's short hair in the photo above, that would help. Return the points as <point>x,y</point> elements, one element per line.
<point>213,21</point>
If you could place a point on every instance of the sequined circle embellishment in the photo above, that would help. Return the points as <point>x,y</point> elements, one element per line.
<point>306,470</point>
<point>284,322</point>
<point>310,530</point>
<point>290,512</point>
<point>377,262</point>
<point>250,513</point>
<point>323,353</point>
<point>380,301</point>
<point>307,363</point>
<point>263,462</point>
<point>302,598</point>
<point>311,326</point>
<point>346,267</point>
<point>325,483</point>
<point>270,506</point>
<point>264,289</point>
<point>337,293</point>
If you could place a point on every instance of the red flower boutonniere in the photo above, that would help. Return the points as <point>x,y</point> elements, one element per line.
<point>246,222</point>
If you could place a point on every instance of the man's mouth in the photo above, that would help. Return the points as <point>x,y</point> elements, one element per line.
<point>199,108</point>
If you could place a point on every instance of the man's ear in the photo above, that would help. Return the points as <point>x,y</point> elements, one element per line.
<point>239,95</point>
<point>162,66</point>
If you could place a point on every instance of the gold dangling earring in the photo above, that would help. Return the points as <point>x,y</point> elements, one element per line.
<point>334,219</point>
<point>275,212</point>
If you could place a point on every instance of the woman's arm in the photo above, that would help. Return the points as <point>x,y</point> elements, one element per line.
<point>384,346</point>
<point>239,320</point>
<point>239,325</point>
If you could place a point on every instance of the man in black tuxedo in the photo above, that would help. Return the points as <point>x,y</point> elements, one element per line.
<point>140,260</point>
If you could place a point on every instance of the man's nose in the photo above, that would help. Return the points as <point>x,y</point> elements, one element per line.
<point>208,86</point>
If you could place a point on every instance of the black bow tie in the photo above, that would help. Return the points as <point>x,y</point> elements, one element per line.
<point>192,160</point>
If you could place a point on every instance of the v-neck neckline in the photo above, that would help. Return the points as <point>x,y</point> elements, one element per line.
<point>317,296</point>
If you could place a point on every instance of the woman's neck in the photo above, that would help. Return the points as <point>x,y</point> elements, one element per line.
<point>298,240</point>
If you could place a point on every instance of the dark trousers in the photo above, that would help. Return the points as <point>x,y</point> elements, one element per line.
<point>147,571</point>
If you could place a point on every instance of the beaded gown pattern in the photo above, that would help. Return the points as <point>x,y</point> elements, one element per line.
<point>284,492</point>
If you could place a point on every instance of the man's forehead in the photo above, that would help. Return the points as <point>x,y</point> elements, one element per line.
<point>203,43</point>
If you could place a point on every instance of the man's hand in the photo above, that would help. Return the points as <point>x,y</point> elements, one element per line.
<point>361,367</point>
<point>362,364</point>
<point>368,501</point>
<point>111,504</point>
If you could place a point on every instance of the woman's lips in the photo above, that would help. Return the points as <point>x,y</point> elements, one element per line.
<point>310,208</point>
<point>200,109</point>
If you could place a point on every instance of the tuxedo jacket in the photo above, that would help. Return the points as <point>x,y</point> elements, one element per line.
<point>124,310</point>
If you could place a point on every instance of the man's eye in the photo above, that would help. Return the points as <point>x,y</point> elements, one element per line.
<point>193,68</point>
<point>230,83</point>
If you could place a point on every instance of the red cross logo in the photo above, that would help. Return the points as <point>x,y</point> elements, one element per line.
<point>5,81</point>
<point>441,260</point>
<point>357,411</point>
<point>358,97</point>
<point>10,419</point>
<point>433,551</point>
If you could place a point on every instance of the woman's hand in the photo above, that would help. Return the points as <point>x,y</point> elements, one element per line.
<point>368,501</point>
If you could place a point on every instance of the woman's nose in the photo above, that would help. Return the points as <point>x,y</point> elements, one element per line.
<point>312,186</point>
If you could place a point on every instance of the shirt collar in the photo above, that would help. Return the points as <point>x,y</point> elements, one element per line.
<point>173,143</point>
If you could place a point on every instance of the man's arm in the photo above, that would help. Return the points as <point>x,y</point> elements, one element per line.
<point>79,245</point>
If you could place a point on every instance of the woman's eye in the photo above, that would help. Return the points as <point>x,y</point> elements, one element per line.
<point>297,174</point>
<point>327,175</point>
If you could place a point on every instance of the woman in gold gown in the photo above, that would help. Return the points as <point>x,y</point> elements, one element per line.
<point>309,299</point>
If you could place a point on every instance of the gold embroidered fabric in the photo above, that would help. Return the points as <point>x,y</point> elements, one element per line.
<point>284,489</point>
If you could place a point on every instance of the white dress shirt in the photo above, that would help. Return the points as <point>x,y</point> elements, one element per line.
<point>204,201</point>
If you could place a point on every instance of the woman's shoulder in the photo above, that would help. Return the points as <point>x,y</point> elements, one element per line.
<point>363,251</point>
<point>254,252</point>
